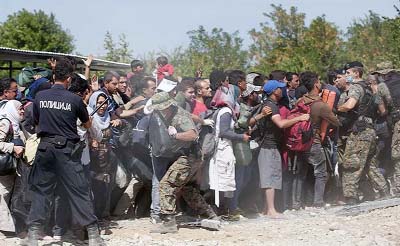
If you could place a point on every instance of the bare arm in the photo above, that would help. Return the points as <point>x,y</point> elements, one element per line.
<point>382,109</point>
<point>264,112</point>
<point>88,62</point>
<point>88,123</point>
<point>285,123</point>
<point>348,105</point>
<point>130,112</point>
<point>187,136</point>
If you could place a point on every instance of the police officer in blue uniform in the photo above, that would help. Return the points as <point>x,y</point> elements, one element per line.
<point>57,160</point>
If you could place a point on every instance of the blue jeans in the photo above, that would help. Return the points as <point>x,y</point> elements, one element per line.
<point>160,167</point>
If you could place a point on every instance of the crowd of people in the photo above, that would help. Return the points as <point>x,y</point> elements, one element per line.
<point>128,145</point>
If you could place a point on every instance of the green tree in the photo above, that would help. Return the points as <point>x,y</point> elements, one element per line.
<point>322,47</point>
<point>284,42</point>
<point>210,50</point>
<point>117,53</point>
<point>35,31</point>
<point>367,40</point>
<point>374,38</point>
<point>277,43</point>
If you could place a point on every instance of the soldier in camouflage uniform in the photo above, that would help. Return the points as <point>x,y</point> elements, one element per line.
<point>360,152</point>
<point>382,127</point>
<point>385,71</point>
<point>180,173</point>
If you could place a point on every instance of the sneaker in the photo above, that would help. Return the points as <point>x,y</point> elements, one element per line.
<point>235,216</point>
<point>155,219</point>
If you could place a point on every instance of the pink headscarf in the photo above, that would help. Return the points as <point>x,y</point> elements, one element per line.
<point>227,97</point>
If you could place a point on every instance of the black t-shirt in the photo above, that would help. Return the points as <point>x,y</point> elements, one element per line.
<point>56,111</point>
<point>272,136</point>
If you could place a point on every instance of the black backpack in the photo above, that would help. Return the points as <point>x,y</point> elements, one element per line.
<point>162,144</point>
<point>367,106</point>
<point>208,140</point>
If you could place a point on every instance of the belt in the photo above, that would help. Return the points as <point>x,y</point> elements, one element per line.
<point>59,141</point>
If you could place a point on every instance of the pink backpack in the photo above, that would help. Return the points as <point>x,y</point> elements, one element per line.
<point>300,136</point>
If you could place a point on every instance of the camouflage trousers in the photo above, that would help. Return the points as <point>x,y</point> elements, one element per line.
<point>176,179</point>
<point>396,155</point>
<point>359,159</point>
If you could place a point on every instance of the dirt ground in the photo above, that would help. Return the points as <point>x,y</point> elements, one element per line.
<point>306,227</point>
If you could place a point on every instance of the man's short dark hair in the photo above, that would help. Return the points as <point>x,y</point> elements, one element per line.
<point>109,75</point>
<point>331,75</point>
<point>5,84</point>
<point>71,60</point>
<point>259,80</point>
<point>162,60</point>
<point>359,70</point>
<point>235,76</point>
<point>277,75</point>
<point>143,84</point>
<point>308,79</point>
<point>289,76</point>
<point>78,84</point>
<point>216,78</point>
<point>121,73</point>
<point>197,85</point>
<point>136,63</point>
<point>185,84</point>
<point>63,69</point>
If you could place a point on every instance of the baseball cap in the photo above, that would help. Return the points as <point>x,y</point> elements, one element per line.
<point>250,89</point>
<point>272,85</point>
<point>340,71</point>
<point>353,64</point>
<point>250,77</point>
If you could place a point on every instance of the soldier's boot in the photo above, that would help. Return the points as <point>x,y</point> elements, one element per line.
<point>210,214</point>
<point>352,201</point>
<point>384,194</point>
<point>94,235</point>
<point>167,226</point>
<point>33,236</point>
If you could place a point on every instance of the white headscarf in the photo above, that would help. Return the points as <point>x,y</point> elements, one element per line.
<point>103,121</point>
<point>10,111</point>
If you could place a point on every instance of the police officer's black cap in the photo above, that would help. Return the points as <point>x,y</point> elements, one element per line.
<point>340,71</point>
<point>353,64</point>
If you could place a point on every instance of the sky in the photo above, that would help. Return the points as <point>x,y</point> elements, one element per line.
<point>155,25</point>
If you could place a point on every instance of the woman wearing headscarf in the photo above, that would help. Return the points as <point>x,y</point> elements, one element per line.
<point>101,168</point>
<point>11,141</point>
<point>222,163</point>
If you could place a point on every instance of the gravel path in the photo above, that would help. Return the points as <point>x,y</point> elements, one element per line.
<point>306,227</point>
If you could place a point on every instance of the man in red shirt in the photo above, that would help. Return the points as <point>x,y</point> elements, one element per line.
<point>202,90</point>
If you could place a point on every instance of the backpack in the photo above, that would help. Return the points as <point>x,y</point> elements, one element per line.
<point>162,144</point>
<point>140,134</point>
<point>392,81</point>
<point>7,161</point>
<point>208,140</point>
<point>367,106</point>
<point>25,77</point>
<point>300,136</point>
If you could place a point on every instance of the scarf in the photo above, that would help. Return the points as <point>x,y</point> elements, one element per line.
<point>103,121</point>
<point>227,97</point>
<point>10,111</point>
